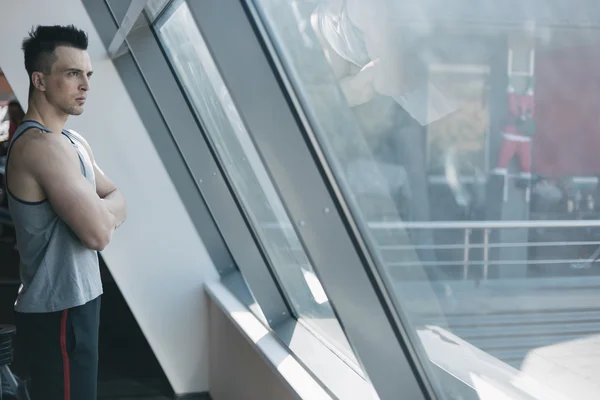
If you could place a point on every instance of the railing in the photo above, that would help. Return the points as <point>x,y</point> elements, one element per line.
<point>475,243</point>
<point>487,228</point>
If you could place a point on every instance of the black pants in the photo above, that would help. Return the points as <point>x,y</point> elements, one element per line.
<point>60,352</point>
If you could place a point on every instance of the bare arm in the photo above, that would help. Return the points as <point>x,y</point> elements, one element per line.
<point>111,196</point>
<point>55,166</point>
<point>105,188</point>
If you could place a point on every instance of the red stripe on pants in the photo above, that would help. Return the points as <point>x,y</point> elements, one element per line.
<point>65,355</point>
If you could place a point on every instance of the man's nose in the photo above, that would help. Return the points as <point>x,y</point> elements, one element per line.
<point>85,85</point>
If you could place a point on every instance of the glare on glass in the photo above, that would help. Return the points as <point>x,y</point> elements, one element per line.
<point>465,137</point>
<point>235,150</point>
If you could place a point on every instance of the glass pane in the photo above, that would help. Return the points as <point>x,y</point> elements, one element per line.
<point>154,7</point>
<point>236,152</point>
<point>465,137</point>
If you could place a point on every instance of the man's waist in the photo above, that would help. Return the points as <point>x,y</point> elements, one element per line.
<point>29,301</point>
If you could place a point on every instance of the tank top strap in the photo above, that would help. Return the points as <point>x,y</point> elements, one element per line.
<point>23,127</point>
<point>77,145</point>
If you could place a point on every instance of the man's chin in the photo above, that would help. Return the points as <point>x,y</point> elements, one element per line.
<point>75,111</point>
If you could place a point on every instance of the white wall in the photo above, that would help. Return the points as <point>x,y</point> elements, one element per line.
<point>156,257</point>
<point>237,369</point>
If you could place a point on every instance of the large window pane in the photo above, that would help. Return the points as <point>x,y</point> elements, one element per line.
<point>464,135</point>
<point>235,150</point>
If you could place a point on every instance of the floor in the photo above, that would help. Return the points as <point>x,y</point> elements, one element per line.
<point>128,369</point>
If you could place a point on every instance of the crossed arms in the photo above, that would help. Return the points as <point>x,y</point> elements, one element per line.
<point>93,215</point>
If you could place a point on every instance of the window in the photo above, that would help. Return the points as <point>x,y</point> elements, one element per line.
<point>461,137</point>
<point>244,169</point>
<point>154,7</point>
<point>465,137</point>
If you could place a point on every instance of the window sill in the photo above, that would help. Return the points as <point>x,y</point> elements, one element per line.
<point>307,365</point>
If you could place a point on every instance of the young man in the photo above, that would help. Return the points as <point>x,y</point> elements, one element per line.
<point>64,210</point>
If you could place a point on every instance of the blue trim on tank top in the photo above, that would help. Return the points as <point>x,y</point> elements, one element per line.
<point>29,203</point>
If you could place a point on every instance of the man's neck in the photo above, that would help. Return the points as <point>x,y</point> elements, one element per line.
<point>47,115</point>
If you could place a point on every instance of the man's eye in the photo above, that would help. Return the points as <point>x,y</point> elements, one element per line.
<point>74,73</point>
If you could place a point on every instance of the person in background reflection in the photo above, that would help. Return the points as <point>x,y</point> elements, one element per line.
<point>366,50</point>
<point>15,115</point>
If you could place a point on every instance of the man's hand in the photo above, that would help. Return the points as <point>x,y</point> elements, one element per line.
<point>115,203</point>
<point>113,199</point>
<point>110,195</point>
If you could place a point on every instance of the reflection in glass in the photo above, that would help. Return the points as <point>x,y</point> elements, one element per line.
<point>465,137</point>
<point>243,167</point>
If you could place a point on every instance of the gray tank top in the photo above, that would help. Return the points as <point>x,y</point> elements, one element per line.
<point>57,271</point>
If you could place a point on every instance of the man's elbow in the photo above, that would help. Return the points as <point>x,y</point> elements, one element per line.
<point>97,240</point>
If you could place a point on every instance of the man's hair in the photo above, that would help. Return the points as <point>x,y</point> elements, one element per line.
<point>39,47</point>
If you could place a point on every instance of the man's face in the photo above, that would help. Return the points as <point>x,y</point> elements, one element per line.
<point>67,84</point>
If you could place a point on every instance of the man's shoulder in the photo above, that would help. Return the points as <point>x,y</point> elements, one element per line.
<point>26,140</point>
<point>36,146</point>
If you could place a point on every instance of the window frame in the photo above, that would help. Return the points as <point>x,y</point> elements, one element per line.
<point>233,31</point>
<point>338,372</point>
<point>384,353</point>
<point>165,6</point>
<point>338,335</point>
<point>222,222</point>
<point>315,213</point>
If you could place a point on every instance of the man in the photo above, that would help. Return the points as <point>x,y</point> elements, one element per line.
<point>64,210</point>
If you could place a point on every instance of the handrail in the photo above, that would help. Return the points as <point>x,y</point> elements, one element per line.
<point>482,246</point>
<point>486,224</point>
<point>486,227</point>
<point>468,245</point>
<point>484,263</point>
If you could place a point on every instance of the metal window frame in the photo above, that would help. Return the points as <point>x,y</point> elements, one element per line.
<point>160,14</point>
<point>338,371</point>
<point>316,212</point>
<point>339,375</point>
<point>116,47</point>
<point>312,201</point>
<point>166,13</point>
<point>335,338</point>
<point>180,141</point>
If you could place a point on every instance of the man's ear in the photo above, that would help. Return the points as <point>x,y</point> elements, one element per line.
<point>38,81</point>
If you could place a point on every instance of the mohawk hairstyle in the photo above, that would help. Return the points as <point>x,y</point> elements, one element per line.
<point>39,47</point>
